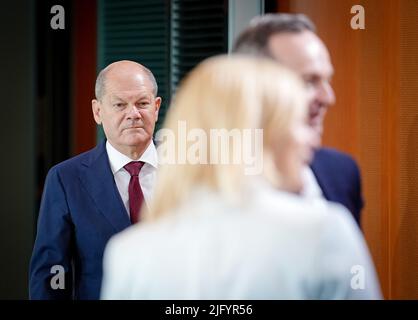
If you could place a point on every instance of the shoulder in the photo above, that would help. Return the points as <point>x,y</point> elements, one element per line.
<point>123,264</point>
<point>343,255</point>
<point>332,161</point>
<point>297,211</point>
<point>70,166</point>
<point>328,235</point>
<point>126,249</point>
<point>332,156</point>
<point>129,240</point>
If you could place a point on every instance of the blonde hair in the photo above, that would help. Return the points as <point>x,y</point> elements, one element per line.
<point>227,92</point>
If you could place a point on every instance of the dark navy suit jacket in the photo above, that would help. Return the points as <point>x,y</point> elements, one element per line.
<point>339,178</point>
<point>80,210</point>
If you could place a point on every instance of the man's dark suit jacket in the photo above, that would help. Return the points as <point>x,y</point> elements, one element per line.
<point>81,209</point>
<point>339,178</point>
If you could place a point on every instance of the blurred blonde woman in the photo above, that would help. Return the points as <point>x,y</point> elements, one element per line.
<point>223,227</point>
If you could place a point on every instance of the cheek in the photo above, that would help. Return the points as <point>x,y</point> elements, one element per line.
<point>113,123</point>
<point>289,165</point>
<point>284,155</point>
<point>295,164</point>
<point>311,94</point>
<point>299,143</point>
<point>293,150</point>
<point>148,117</point>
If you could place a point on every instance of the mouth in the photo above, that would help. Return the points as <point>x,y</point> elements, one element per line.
<point>316,118</point>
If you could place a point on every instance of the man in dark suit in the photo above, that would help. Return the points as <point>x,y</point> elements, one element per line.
<point>89,198</point>
<point>291,40</point>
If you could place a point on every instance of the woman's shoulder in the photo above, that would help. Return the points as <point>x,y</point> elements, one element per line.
<point>292,207</point>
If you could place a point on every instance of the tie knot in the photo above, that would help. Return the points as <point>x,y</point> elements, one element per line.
<point>134,167</point>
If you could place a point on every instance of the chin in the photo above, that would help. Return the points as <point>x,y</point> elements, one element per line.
<point>137,139</point>
<point>317,139</point>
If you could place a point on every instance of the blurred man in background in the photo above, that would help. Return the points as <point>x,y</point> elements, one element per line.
<point>290,39</point>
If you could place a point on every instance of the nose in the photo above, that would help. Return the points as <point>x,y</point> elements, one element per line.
<point>326,94</point>
<point>133,113</point>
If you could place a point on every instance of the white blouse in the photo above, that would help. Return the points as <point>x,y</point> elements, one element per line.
<point>274,245</point>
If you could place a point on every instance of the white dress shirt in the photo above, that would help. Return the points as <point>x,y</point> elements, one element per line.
<point>273,245</point>
<point>146,176</point>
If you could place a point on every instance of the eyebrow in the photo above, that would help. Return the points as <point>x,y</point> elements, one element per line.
<point>117,98</point>
<point>137,98</point>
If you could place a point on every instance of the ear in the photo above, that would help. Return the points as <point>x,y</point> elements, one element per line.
<point>96,108</point>
<point>157,107</point>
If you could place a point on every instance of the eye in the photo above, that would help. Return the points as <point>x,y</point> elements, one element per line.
<point>119,105</point>
<point>311,81</point>
<point>143,103</point>
<point>316,81</point>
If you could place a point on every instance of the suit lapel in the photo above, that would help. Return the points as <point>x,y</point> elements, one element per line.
<point>98,180</point>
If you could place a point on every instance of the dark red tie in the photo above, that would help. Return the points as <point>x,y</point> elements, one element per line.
<point>136,197</point>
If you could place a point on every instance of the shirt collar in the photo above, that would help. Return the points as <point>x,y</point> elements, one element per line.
<point>118,160</point>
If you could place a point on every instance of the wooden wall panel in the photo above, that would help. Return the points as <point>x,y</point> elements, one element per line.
<point>375,119</point>
<point>405,254</point>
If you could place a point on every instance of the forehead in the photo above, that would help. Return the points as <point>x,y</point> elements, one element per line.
<point>128,84</point>
<point>303,52</point>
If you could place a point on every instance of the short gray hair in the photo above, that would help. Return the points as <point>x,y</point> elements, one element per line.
<point>100,86</point>
<point>254,39</point>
